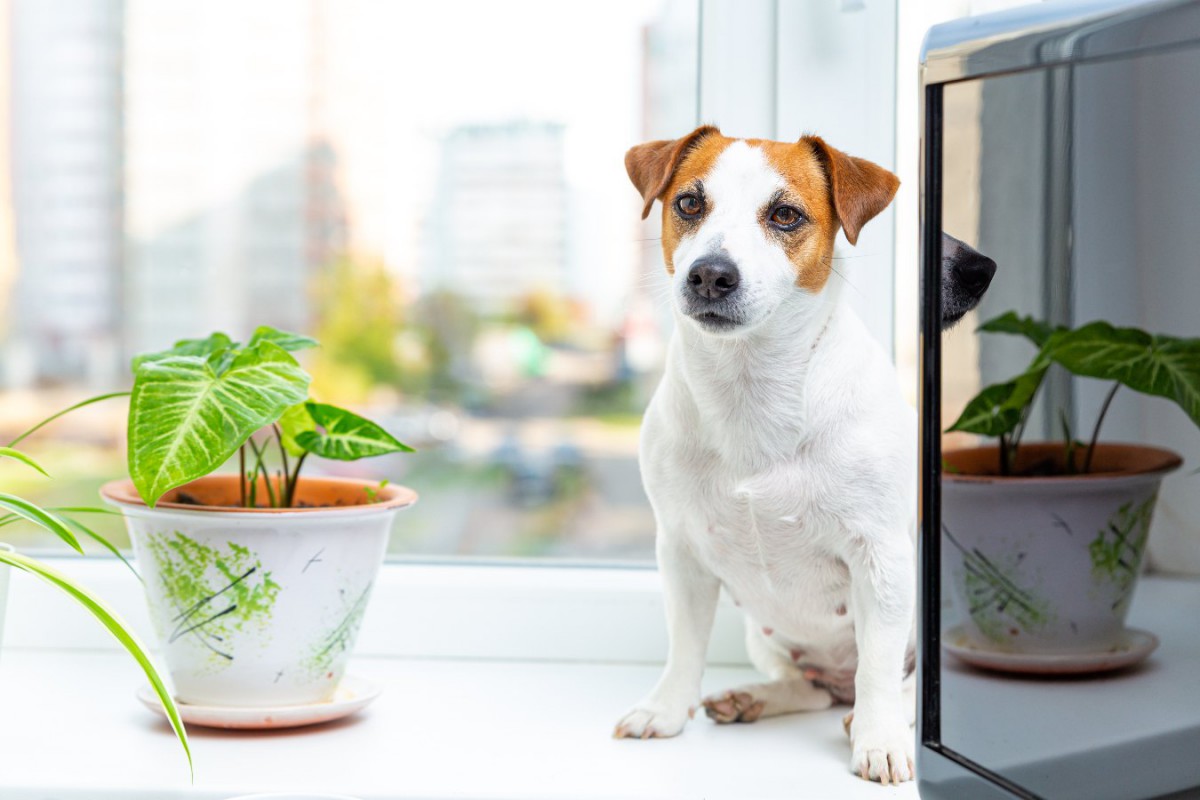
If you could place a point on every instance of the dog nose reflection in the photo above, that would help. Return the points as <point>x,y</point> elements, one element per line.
<point>974,272</point>
<point>713,277</point>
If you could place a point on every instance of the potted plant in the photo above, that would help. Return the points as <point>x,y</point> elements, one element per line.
<point>257,579</point>
<point>65,524</point>
<point>1044,541</point>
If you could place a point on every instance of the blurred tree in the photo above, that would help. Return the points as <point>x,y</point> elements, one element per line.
<point>360,318</point>
<point>550,315</point>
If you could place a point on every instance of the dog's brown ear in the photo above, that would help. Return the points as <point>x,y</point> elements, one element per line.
<point>860,188</point>
<point>651,165</point>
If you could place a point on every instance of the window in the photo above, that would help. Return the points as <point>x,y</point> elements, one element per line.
<point>445,209</point>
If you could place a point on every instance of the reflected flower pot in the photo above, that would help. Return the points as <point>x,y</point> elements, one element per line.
<point>258,607</point>
<point>1047,563</point>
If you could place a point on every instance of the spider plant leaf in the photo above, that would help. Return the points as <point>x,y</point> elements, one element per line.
<point>51,418</point>
<point>186,419</point>
<point>99,539</point>
<point>19,456</point>
<point>288,341</point>
<point>40,517</point>
<point>346,436</point>
<point>1163,366</point>
<point>120,631</point>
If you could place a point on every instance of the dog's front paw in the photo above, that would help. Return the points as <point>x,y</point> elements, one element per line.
<point>652,720</point>
<point>882,748</point>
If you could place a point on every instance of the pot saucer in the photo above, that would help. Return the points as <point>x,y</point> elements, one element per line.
<point>352,695</point>
<point>1134,645</point>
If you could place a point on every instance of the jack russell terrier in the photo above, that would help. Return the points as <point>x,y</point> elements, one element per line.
<point>778,453</point>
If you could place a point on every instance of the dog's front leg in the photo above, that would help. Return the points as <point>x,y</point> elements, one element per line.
<point>690,594</point>
<point>883,588</point>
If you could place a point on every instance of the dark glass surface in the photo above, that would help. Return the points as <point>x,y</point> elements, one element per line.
<point>1082,181</point>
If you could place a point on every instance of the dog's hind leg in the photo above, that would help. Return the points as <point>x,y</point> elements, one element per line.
<point>788,692</point>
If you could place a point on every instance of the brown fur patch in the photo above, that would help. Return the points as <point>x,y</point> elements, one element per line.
<point>829,187</point>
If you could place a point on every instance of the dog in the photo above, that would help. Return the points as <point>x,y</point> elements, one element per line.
<point>966,275</point>
<point>778,453</point>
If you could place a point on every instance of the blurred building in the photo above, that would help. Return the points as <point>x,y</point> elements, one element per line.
<point>497,223</point>
<point>64,110</point>
<point>230,198</point>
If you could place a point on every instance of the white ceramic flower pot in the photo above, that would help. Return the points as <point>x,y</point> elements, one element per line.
<point>259,607</point>
<point>1047,564</point>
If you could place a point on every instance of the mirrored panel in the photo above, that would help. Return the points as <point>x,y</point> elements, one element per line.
<point>1070,502</point>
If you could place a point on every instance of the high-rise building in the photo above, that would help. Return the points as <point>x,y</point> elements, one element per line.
<point>230,201</point>
<point>64,114</point>
<point>497,224</point>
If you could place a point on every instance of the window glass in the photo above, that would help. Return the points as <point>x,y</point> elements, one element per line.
<point>436,191</point>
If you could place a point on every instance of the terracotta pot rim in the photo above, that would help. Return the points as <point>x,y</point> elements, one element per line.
<point>1157,461</point>
<point>122,493</point>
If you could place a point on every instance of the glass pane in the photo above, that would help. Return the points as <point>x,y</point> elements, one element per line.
<point>444,208</point>
<point>1068,664</point>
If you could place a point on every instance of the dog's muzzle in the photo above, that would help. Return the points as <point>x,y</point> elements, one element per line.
<point>711,291</point>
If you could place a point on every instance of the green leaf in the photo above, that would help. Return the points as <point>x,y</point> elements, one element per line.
<point>203,348</point>
<point>19,456</point>
<point>288,341</point>
<point>120,631</point>
<point>101,540</point>
<point>295,420</point>
<point>990,413</point>
<point>998,409</point>
<point>40,517</point>
<point>347,436</point>
<point>67,410</point>
<point>1163,366</point>
<point>186,420</point>
<point>1008,322</point>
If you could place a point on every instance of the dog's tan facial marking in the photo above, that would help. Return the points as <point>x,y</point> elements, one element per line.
<point>809,246</point>
<point>673,171</point>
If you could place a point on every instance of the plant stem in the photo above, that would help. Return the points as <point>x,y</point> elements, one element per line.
<point>284,484</point>
<point>1003,454</point>
<point>295,479</point>
<point>1087,460</point>
<point>242,472</point>
<point>260,469</point>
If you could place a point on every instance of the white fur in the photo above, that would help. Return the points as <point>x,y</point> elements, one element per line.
<point>780,461</point>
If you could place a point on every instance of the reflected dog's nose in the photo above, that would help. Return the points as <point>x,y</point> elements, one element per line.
<point>713,277</point>
<point>974,272</point>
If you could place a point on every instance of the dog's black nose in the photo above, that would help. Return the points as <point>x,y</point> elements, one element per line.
<point>974,272</point>
<point>712,277</point>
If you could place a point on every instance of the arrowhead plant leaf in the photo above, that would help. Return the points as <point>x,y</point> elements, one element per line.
<point>346,436</point>
<point>1163,366</point>
<point>187,417</point>
<point>288,341</point>
<point>1008,322</point>
<point>295,420</point>
<point>189,347</point>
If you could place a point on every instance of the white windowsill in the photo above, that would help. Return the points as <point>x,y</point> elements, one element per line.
<point>498,683</point>
<point>442,729</point>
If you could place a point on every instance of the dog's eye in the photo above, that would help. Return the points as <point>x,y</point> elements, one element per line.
<point>786,218</point>
<point>689,205</point>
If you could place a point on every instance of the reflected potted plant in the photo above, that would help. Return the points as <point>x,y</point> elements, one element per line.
<point>65,523</point>
<point>256,579</point>
<point>1045,540</point>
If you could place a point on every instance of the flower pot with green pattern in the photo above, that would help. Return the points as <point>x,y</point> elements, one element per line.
<point>1047,563</point>
<point>257,579</point>
<point>259,607</point>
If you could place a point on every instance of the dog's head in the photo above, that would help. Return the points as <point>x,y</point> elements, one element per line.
<point>966,275</point>
<point>749,225</point>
